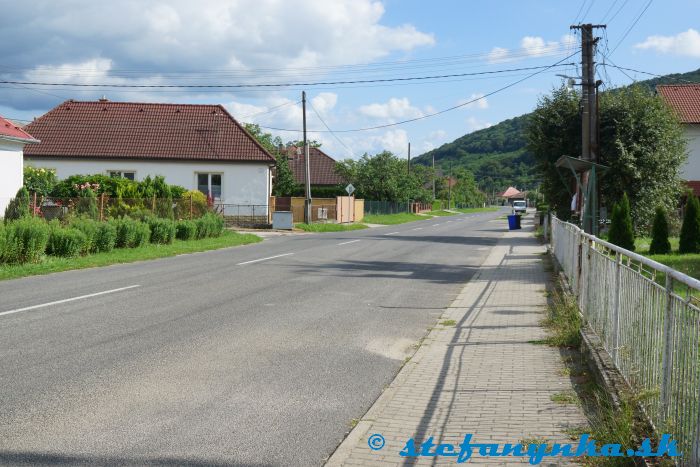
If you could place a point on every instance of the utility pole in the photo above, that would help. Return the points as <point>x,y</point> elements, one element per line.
<point>307,201</point>
<point>449,188</point>
<point>433,176</point>
<point>589,124</point>
<point>409,158</point>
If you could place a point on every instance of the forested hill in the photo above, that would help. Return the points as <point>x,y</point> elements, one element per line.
<point>497,155</point>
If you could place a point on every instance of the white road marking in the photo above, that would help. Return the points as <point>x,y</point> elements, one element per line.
<point>435,225</point>
<point>345,243</point>
<point>58,302</point>
<point>418,228</point>
<point>263,259</point>
<point>391,233</point>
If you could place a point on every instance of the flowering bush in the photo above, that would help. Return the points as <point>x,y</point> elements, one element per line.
<point>39,180</point>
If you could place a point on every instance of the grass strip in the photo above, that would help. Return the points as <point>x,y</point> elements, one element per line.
<point>51,264</point>
<point>329,227</point>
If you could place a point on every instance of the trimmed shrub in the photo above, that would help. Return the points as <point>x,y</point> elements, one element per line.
<point>18,206</point>
<point>131,233</point>
<point>186,230</point>
<point>689,241</point>
<point>66,242</point>
<point>162,230</point>
<point>209,225</point>
<point>25,240</point>
<point>621,230</point>
<point>3,240</point>
<point>90,228</point>
<point>199,205</point>
<point>87,204</point>
<point>659,234</point>
<point>106,237</point>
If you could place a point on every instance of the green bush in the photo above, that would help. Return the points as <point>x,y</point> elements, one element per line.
<point>87,204</point>
<point>689,241</point>
<point>3,240</point>
<point>621,230</point>
<point>90,228</point>
<point>18,206</point>
<point>106,237</point>
<point>198,208</point>
<point>659,234</point>
<point>131,233</point>
<point>162,230</point>
<point>66,242</point>
<point>186,230</point>
<point>210,225</point>
<point>39,180</point>
<point>25,240</point>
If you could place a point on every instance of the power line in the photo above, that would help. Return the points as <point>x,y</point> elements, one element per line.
<point>377,127</point>
<point>612,5</point>
<point>331,131</point>
<point>271,109</point>
<point>651,74</point>
<point>579,11</point>
<point>269,85</point>
<point>618,11</point>
<point>631,27</point>
<point>587,10</point>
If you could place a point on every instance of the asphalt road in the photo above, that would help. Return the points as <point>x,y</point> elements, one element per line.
<point>224,357</point>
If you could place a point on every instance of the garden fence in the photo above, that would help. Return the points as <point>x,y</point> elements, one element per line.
<point>647,317</point>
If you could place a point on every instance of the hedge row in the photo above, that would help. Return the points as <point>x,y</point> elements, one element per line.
<point>26,240</point>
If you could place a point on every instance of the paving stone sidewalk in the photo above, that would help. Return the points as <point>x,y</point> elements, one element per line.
<point>482,376</point>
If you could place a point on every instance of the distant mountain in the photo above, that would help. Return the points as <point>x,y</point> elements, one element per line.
<point>497,155</point>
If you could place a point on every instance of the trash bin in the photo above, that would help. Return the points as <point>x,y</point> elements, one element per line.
<point>513,222</point>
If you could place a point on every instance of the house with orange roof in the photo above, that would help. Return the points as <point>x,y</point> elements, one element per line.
<point>13,139</point>
<point>685,100</point>
<point>200,147</point>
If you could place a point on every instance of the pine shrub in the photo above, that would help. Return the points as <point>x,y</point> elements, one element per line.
<point>106,237</point>
<point>659,234</point>
<point>162,230</point>
<point>621,229</point>
<point>690,230</point>
<point>66,242</point>
<point>210,225</point>
<point>87,204</point>
<point>25,240</point>
<point>131,233</point>
<point>90,228</point>
<point>18,206</point>
<point>186,230</point>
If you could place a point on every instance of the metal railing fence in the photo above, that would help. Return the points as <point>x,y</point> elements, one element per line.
<point>647,317</point>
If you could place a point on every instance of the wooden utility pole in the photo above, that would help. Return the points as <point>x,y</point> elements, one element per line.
<point>449,188</point>
<point>589,125</point>
<point>433,176</point>
<point>409,158</point>
<point>307,201</point>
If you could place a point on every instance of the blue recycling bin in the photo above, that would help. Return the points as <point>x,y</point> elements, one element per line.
<point>513,222</point>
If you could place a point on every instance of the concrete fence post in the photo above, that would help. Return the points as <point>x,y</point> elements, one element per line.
<point>667,356</point>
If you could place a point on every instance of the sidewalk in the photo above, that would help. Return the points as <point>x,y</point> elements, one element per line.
<point>481,376</point>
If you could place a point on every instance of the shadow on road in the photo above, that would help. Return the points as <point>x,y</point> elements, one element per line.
<point>40,458</point>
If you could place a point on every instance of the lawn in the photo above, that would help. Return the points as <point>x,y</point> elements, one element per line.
<point>688,264</point>
<point>440,213</point>
<point>126,255</point>
<point>392,219</point>
<point>471,210</point>
<point>329,227</point>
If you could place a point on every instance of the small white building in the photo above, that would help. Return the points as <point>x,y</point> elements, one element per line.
<point>685,100</point>
<point>199,147</point>
<point>12,142</point>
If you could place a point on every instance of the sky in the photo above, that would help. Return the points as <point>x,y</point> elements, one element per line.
<point>494,60</point>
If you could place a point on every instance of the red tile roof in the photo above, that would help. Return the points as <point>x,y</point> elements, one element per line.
<point>510,192</point>
<point>11,130</point>
<point>321,166</point>
<point>684,98</point>
<point>130,130</point>
<point>694,185</point>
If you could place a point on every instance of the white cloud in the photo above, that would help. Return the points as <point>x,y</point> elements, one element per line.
<point>474,124</point>
<point>482,103</point>
<point>395,141</point>
<point>435,138</point>
<point>225,40</point>
<point>324,102</point>
<point>394,109</point>
<point>532,46</point>
<point>685,43</point>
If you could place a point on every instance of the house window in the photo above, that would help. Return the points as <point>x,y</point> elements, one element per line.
<point>129,175</point>
<point>209,184</point>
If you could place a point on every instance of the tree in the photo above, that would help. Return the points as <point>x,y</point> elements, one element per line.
<point>18,206</point>
<point>689,241</point>
<point>284,182</point>
<point>659,241</point>
<point>640,140</point>
<point>621,231</point>
<point>39,180</point>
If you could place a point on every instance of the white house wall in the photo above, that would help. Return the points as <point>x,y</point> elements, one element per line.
<point>11,172</point>
<point>243,183</point>
<point>691,169</point>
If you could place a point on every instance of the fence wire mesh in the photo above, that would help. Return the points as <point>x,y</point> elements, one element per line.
<point>648,320</point>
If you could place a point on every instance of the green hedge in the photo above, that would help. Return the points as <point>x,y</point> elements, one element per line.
<point>186,230</point>
<point>162,230</point>
<point>131,233</point>
<point>66,242</point>
<point>25,240</point>
<point>209,225</point>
